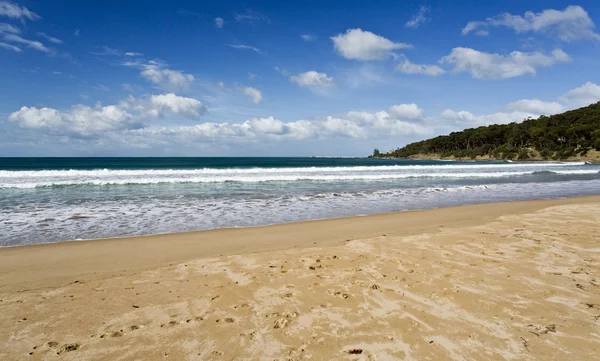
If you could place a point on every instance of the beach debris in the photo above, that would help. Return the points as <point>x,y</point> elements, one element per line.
<point>541,330</point>
<point>281,323</point>
<point>355,351</point>
<point>68,348</point>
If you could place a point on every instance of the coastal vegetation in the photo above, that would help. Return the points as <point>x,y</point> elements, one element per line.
<point>567,135</point>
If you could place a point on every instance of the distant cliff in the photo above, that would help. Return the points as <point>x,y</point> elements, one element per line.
<point>571,135</point>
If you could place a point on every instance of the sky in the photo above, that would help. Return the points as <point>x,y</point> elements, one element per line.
<point>273,78</point>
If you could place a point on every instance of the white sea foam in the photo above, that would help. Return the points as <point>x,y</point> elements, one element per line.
<point>301,170</point>
<point>50,178</point>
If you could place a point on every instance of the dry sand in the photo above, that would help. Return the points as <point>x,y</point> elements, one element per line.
<point>510,281</point>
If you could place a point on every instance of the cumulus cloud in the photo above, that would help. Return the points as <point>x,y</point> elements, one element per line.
<point>85,121</point>
<point>535,106</point>
<point>464,119</point>
<point>406,111</point>
<point>81,120</point>
<point>16,11</point>
<point>50,38</point>
<point>219,22</point>
<point>29,43</point>
<point>253,93</point>
<point>307,37</point>
<point>572,23</point>
<point>584,95</point>
<point>166,104</point>
<point>407,67</point>
<point>312,79</point>
<point>483,65</point>
<point>421,17</point>
<point>354,125</point>
<point>364,45</point>
<point>166,79</point>
<point>129,122</point>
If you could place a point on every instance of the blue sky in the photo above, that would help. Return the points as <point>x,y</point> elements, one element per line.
<point>219,78</point>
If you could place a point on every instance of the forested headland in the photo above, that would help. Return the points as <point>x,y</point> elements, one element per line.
<point>574,134</point>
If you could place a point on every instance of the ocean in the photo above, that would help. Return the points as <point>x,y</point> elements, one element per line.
<point>46,200</point>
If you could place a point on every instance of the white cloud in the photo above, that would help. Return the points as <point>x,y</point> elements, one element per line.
<point>85,121</point>
<point>101,87</point>
<point>364,45</point>
<point>7,28</point>
<point>308,37</point>
<point>16,11</point>
<point>131,53</point>
<point>483,65</point>
<point>253,93</point>
<point>535,106</point>
<point>419,18</point>
<point>50,38</point>
<point>584,95</point>
<point>219,22</point>
<point>251,17</point>
<point>407,111</point>
<point>356,125</point>
<point>268,125</point>
<point>165,104</point>
<point>312,79</point>
<point>107,51</point>
<point>166,79</point>
<point>252,75</point>
<point>572,23</point>
<point>244,47</point>
<point>464,119</point>
<point>30,43</point>
<point>10,47</point>
<point>408,67</point>
<point>81,120</point>
<point>128,122</point>
<point>76,33</point>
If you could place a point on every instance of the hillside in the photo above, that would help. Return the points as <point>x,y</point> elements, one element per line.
<point>571,135</point>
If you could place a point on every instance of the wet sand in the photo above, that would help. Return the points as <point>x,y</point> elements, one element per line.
<point>508,281</point>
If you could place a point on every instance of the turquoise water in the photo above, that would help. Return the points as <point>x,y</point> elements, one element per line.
<point>56,199</point>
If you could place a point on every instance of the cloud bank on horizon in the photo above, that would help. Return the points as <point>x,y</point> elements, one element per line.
<point>218,80</point>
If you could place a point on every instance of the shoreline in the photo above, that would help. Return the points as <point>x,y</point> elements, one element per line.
<point>502,281</point>
<point>52,263</point>
<point>166,234</point>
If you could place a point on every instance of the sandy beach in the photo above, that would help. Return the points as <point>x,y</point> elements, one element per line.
<point>506,281</point>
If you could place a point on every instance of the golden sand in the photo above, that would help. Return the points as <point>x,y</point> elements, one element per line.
<point>509,281</point>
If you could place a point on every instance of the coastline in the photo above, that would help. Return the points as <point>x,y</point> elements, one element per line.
<point>502,281</point>
<point>49,264</point>
<point>592,156</point>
